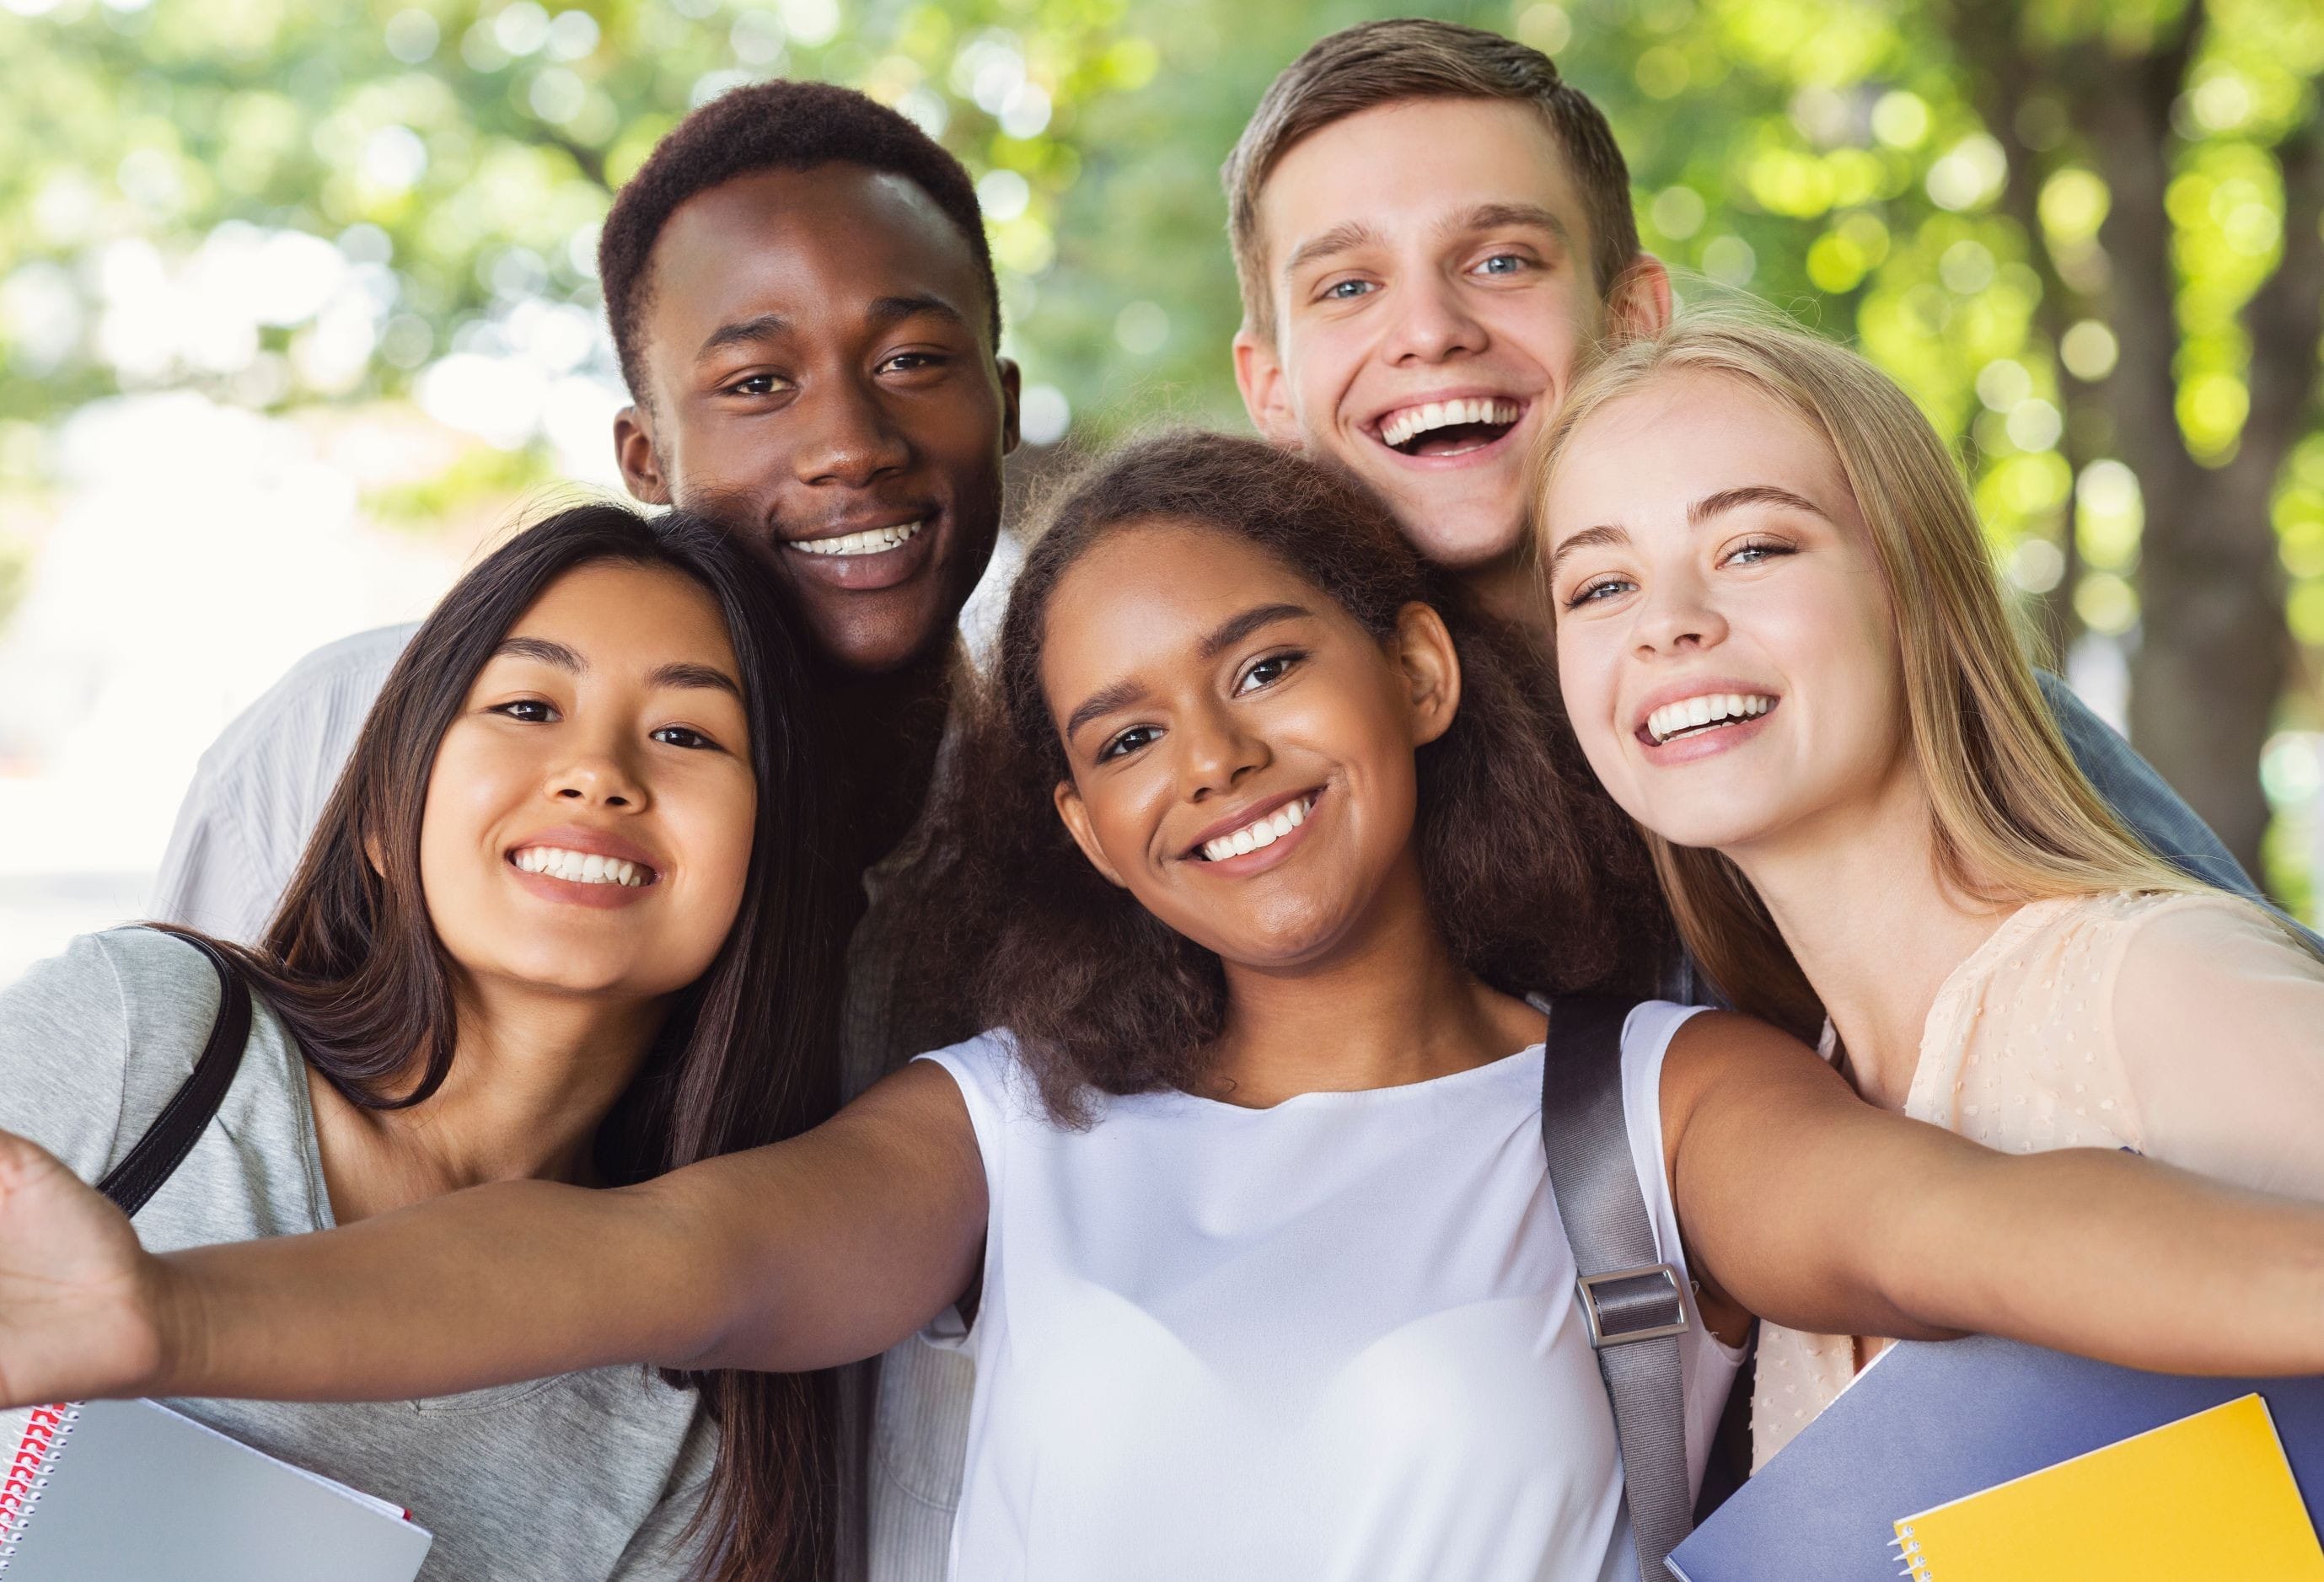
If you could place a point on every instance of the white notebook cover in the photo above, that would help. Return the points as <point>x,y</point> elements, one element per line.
<point>129,1491</point>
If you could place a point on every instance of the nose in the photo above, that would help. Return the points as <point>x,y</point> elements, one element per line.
<point>1433,324</point>
<point>850,439</point>
<point>599,773</point>
<point>1677,615</point>
<point>1216,752</point>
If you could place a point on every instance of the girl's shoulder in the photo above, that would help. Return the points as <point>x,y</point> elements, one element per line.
<point>95,1039</point>
<point>2090,943</point>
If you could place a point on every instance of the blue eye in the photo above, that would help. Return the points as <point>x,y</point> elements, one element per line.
<point>1502,264</point>
<point>1598,591</point>
<point>1758,551</point>
<point>1347,291</point>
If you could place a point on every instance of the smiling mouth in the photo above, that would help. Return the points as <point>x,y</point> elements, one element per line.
<point>1263,830</point>
<point>582,867</point>
<point>1699,716</point>
<point>870,541</point>
<point>1449,428</point>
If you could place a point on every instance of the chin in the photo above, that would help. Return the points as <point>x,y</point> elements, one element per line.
<point>1460,536</point>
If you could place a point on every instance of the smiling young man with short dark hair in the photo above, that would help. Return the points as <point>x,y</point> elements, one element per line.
<point>800,292</point>
<point>1431,229</point>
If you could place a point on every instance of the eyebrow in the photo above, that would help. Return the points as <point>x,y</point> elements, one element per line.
<point>1587,538</point>
<point>1494,217</point>
<point>744,332</point>
<point>1710,505</point>
<point>1224,636</point>
<point>884,313</point>
<point>1340,238</point>
<point>679,673</point>
<point>541,650</point>
<point>1700,511</point>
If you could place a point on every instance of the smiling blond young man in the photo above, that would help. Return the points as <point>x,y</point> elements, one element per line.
<point>1431,229</point>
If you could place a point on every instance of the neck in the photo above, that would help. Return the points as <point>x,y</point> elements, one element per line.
<point>1858,896</point>
<point>533,1077</point>
<point>1387,1006</point>
<point>889,727</point>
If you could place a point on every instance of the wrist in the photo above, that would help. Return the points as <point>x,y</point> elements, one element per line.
<point>179,1361</point>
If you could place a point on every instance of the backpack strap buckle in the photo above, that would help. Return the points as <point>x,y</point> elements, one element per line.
<point>1624,1305</point>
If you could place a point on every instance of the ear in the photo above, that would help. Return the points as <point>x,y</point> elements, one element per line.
<point>1011,383</point>
<point>1266,393</point>
<point>1423,653</point>
<point>1075,812</point>
<point>1640,302</point>
<point>634,454</point>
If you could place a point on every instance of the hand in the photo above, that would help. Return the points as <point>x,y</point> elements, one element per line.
<point>81,1301</point>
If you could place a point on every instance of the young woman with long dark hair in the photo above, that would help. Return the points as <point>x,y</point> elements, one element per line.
<point>564,918</point>
<point>1248,1215</point>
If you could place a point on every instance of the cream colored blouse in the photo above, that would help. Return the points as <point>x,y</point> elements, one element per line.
<point>2187,1027</point>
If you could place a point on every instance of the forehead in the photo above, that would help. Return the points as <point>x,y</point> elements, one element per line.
<point>808,244</point>
<point>617,608</point>
<point>1681,436</point>
<point>1406,169</point>
<point>1152,591</point>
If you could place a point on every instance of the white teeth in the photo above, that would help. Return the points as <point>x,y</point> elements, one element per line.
<point>871,541</point>
<point>1402,427</point>
<point>1695,713</point>
<point>1259,832</point>
<point>582,867</point>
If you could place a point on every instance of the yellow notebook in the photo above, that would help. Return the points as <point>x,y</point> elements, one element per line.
<point>2208,1497</point>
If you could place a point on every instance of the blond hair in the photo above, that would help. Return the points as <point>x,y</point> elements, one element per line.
<point>2014,820</point>
<point>1404,58</point>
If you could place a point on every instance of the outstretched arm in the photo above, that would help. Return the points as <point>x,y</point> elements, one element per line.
<point>1822,1213</point>
<point>823,1249</point>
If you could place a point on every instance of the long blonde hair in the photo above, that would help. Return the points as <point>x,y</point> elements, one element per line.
<point>2014,820</point>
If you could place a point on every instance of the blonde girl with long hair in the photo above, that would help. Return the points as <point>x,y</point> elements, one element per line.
<point>1783,645</point>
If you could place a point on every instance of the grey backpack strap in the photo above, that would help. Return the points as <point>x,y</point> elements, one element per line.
<point>172,1136</point>
<point>1629,1295</point>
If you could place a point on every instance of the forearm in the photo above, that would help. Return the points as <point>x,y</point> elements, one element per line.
<point>2115,1257</point>
<point>501,1282</point>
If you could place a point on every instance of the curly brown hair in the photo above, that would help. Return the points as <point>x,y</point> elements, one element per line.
<point>1536,878</point>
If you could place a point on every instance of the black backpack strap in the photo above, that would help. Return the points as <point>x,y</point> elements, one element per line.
<point>171,1138</point>
<point>1631,1297</point>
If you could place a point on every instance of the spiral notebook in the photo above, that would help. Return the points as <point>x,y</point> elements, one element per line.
<point>2207,1495</point>
<point>129,1491</point>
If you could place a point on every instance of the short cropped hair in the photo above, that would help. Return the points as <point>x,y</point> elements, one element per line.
<point>1387,62</point>
<point>780,125</point>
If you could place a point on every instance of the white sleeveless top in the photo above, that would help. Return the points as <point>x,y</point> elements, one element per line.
<point>1336,1339</point>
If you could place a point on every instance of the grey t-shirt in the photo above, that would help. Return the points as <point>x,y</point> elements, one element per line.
<point>582,1477</point>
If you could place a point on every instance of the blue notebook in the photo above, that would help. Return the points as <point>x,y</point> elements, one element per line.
<point>1930,1422</point>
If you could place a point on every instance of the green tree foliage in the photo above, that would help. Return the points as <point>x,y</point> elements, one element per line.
<point>2051,219</point>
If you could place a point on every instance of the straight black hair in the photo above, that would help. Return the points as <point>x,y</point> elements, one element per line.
<point>747,1054</point>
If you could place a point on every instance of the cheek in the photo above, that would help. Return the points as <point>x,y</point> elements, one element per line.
<point>470,786</point>
<point>710,824</point>
<point>1588,675</point>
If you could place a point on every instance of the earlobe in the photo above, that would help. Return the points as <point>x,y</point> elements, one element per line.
<point>1430,667</point>
<point>1075,812</point>
<point>1258,375</point>
<point>634,454</point>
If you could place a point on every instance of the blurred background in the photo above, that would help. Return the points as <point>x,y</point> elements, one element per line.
<point>296,309</point>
